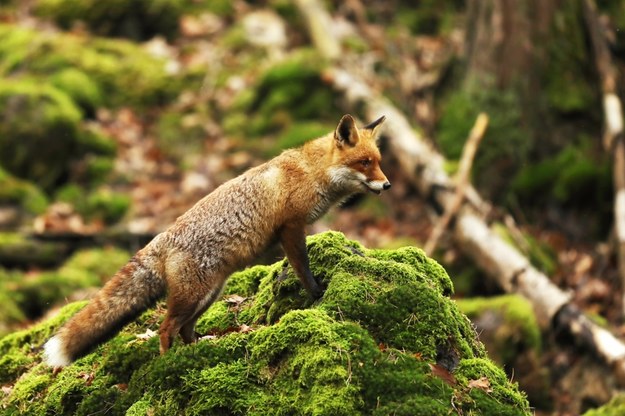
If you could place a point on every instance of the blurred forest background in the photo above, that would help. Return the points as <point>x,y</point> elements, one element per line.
<point>117,116</point>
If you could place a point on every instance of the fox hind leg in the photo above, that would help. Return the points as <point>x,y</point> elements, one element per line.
<point>187,332</point>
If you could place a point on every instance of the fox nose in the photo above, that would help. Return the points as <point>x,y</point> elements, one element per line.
<point>386,186</point>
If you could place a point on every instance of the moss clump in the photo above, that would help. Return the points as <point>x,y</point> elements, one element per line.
<point>511,322</point>
<point>99,204</point>
<point>366,347</point>
<point>80,87</point>
<point>135,19</point>
<point>576,175</point>
<point>431,17</point>
<point>14,191</point>
<point>292,90</point>
<point>614,407</point>
<point>36,117</point>
<point>127,72</point>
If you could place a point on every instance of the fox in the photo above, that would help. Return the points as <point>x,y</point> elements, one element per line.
<point>226,230</point>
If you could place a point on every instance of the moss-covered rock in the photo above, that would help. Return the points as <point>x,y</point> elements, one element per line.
<point>384,339</point>
<point>33,118</point>
<point>25,194</point>
<point>289,97</point>
<point>43,140</point>
<point>135,19</point>
<point>125,71</point>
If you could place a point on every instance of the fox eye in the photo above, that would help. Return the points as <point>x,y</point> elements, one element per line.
<point>365,162</point>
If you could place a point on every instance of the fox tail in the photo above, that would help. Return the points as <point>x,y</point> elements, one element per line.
<point>133,289</point>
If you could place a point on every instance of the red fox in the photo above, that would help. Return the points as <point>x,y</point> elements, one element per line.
<point>224,231</point>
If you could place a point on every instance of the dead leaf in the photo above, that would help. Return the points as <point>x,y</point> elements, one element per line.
<point>6,390</point>
<point>481,383</point>
<point>234,299</point>
<point>443,374</point>
<point>87,377</point>
<point>244,329</point>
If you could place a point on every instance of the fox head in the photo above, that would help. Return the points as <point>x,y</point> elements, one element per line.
<point>356,157</point>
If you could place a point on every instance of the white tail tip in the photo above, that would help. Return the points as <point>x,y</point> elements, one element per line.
<point>54,353</point>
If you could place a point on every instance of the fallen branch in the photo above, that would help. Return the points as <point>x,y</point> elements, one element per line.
<point>504,263</point>
<point>462,181</point>
<point>613,113</point>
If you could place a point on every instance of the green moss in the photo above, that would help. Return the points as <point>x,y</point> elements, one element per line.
<point>366,347</point>
<point>136,19</point>
<point>80,87</point>
<point>506,143</point>
<point>576,175</point>
<point>35,117</point>
<point>614,407</point>
<point>22,193</point>
<point>569,79</point>
<point>128,73</point>
<point>292,90</point>
<point>101,203</point>
<point>490,402</point>
<point>297,134</point>
<point>517,329</point>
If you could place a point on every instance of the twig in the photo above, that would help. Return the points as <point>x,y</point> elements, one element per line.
<point>462,181</point>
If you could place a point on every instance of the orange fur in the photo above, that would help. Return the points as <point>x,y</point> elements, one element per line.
<point>225,231</point>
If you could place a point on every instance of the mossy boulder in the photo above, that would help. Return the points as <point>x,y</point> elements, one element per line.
<point>38,131</point>
<point>84,68</point>
<point>384,339</point>
<point>290,91</point>
<point>42,139</point>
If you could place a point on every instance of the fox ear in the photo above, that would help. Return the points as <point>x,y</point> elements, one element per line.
<point>346,132</point>
<point>374,124</point>
<point>375,127</point>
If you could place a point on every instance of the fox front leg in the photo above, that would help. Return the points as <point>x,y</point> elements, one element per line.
<point>293,241</point>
